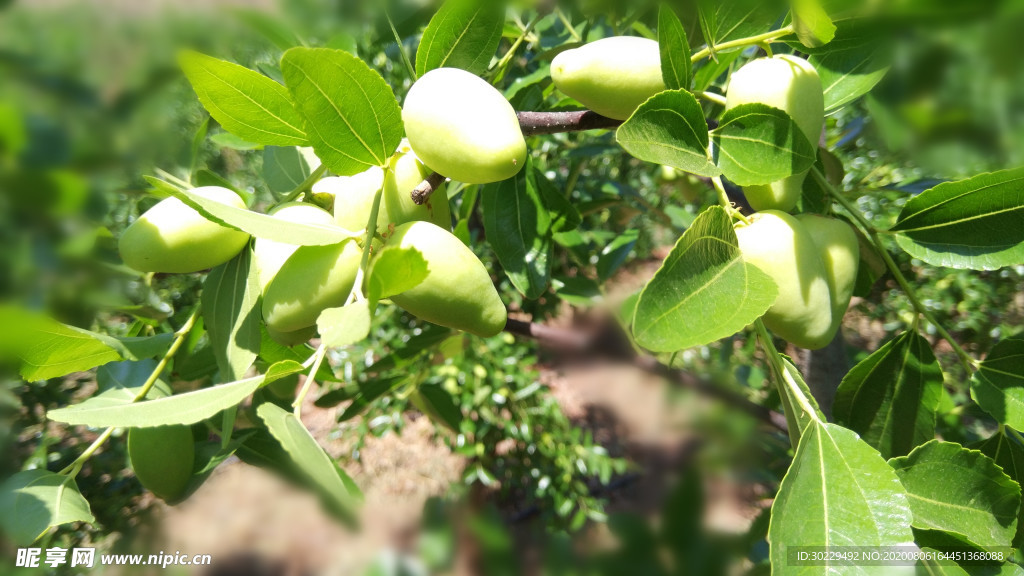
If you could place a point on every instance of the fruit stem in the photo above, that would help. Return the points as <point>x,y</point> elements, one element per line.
<point>499,69</point>
<point>306,184</point>
<point>371,229</point>
<point>401,47</point>
<point>421,193</point>
<point>723,197</point>
<point>179,338</point>
<point>969,364</point>
<point>740,42</point>
<point>318,359</point>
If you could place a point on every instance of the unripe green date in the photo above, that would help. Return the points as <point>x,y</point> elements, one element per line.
<point>612,76</point>
<point>781,247</point>
<point>314,279</point>
<point>162,459</point>
<point>173,238</point>
<point>458,292</point>
<point>462,127</point>
<point>353,199</point>
<point>840,253</point>
<point>269,256</point>
<point>792,85</point>
<point>405,173</point>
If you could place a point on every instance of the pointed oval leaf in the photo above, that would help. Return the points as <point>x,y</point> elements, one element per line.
<point>976,223</point>
<point>47,348</point>
<point>34,501</point>
<point>246,103</point>
<point>669,129</point>
<point>340,327</point>
<point>838,492</point>
<point>676,68</point>
<point>756,144</point>
<point>703,292</point>
<point>812,24</point>
<point>960,491</point>
<point>231,294</point>
<point>284,169</point>
<point>890,398</point>
<point>518,228</point>
<point>350,112</point>
<point>396,270</point>
<point>1008,453</point>
<point>463,34</point>
<point>846,75</point>
<point>998,384</point>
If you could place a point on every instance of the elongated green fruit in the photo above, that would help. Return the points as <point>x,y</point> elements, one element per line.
<point>162,459</point>
<point>779,245</point>
<point>353,199</point>
<point>268,255</point>
<point>314,279</point>
<point>175,239</point>
<point>405,173</point>
<point>458,292</point>
<point>612,76</point>
<point>462,127</point>
<point>792,85</point>
<point>840,253</point>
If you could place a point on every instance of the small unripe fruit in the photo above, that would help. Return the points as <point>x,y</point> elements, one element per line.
<point>173,238</point>
<point>406,173</point>
<point>792,85</point>
<point>269,255</point>
<point>778,244</point>
<point>353,199</point>
<point>840,253</point>
<point>314,279</point>
<point>612,76</point>
<point>458,292</point>
<point>162,459</point>
<point>462,127</point>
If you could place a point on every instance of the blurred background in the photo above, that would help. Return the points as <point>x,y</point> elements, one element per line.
<point>577,459</point>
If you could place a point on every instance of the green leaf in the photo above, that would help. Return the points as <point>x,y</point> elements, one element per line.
<point>367,393</point>
<point>974,223</point>
<point>564,215</point>
<point>615,253</point>
<point>188,408</point>
<point>396,270</point>
<point>518,228</point>
<point>229,140</point>
<point>284,169</point>
<point>48,349</point>
<point>259,225</point>
<point>797,419</point>
<point>439,405</point>
<point>463,34</point>
<point>738,19</point>
<point>308,456</point>
<point>676,68</point>
<point>352,117</point>
<point>961,492</point>
<point>669,129</point>
<point>838,492</point>
<point>1008,453</point>
<point>890,398</point>
<point>703,292</point>
<point>846,75</point>
<point>230,301</point>
<point>756,144</point>
<point>998,384</point>
<point>812,24</point>
<point>34,501</point>
<point>246,103</point>
<point>340,327</point>
<point>124,380</point>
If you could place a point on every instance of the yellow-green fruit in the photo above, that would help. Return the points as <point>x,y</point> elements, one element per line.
<point>269,255</point>
<point>406,173</point>
<point>290,339</point>
<point>840,253</point>
<point>314,279</point>
<point>175,239</point>
<point>162,459</point>
<point>462,127</point>
<point>353,199</point>
<point>458,292</point>
<point>612,76</point>
<point>792,85</point>
<point>780,246</point>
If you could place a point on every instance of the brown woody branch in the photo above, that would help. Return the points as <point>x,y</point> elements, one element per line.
<point>532,124</point>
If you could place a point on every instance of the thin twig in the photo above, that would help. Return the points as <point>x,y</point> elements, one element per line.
<point>421,193</point>
<point>538,123</point>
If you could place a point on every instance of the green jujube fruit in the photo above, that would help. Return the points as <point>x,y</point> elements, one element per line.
<point>268,255</point>
<point>172,238</point>
<point>314,279</point>
<point>840,253</point>
<point>612,76</point>
<point>781,247</point>
<point>353,199</point>
<point>405,173</point>
<point>792,85</point>
<point>162,459</point>
<point>462,127</point>
<point>458,292</point>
